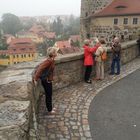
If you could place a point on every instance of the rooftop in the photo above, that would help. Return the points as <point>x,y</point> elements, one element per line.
<point>120,8</point>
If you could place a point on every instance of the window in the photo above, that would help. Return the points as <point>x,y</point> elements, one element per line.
<point>115,21</point>
<point>125,21</point>
<point>17,55</point>
<point>24,55</point>
<point>88,36</point>
<point>86,14</point>
<point>135,20</point>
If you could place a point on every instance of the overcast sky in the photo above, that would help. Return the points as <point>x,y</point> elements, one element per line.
<point>40,7</point>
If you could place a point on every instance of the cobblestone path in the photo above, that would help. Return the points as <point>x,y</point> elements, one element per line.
<point>71,119</point>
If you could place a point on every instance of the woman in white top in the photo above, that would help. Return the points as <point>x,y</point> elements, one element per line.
<point>99,61</point>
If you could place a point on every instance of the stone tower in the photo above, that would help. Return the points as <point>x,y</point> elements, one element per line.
<point>88,7</point>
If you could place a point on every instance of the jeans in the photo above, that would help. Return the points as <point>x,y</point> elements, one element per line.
<point>115,61</point>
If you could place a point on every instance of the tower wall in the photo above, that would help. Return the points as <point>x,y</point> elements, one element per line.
<point>88,7</point>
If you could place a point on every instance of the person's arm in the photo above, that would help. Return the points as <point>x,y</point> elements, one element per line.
<point>41,68</point>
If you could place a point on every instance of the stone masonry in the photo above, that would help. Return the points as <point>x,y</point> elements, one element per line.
<point>19,99</point>
<point>72,103</point>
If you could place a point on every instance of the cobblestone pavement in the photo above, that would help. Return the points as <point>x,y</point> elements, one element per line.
<point>72,103</point>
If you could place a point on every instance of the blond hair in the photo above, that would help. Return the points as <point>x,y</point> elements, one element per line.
<point>86,41</point>
<point>52,51</point>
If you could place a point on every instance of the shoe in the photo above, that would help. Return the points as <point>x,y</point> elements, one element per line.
<point>96,78</point>
<point>117,73</point>
<point>54,109</point>
<point>52,112</point>
<point>111,73</point>
<point>88,81</point>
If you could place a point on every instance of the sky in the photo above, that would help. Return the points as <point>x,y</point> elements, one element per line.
<point>40,7</point>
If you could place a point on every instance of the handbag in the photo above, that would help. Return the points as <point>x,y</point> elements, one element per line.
<point>104,56</point>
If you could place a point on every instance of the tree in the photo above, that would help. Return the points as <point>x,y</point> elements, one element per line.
<point>10,24</point>
<point>28,23</point>
<point>3,45</point>
<point>58,26</point>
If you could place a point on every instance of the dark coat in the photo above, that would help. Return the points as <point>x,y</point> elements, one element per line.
<point>116,50</point>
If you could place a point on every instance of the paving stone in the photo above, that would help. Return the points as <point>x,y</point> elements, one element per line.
<point>71,122</point>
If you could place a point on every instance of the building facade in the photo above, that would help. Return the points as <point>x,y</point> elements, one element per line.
<point>116,18</point>
<point>19,50</point>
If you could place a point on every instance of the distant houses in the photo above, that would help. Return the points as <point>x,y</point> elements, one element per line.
<point>28,45</point>
<point>65,47</point>
<point>19,50</point>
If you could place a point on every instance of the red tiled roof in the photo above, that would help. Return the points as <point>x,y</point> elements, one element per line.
<point>21,46</point>
<point>21,41</point>
<point>3,52</point>
<point>120,8</point>
<point>63,44</point>
<point>69,50</point>
<point>75,37</point>
<point>50,35</point>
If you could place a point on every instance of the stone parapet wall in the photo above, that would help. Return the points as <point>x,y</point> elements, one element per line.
<point>19,98</point>
<point>70,69</point>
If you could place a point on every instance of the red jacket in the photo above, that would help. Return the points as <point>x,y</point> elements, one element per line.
<point>88,55</point>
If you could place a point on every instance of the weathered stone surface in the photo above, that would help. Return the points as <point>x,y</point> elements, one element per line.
<point>14,120</point>
<point>72,103</point>
<point>15,84</point>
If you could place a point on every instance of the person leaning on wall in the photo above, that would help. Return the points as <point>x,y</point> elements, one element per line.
<point>46,80</point>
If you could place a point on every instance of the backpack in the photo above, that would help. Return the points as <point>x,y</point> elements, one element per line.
<point>104,56</point>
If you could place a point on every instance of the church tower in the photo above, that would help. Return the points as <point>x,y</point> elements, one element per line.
<point>89,7</point>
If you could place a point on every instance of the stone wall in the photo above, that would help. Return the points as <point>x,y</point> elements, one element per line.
<point>19,99</point>
<point>70,69</point>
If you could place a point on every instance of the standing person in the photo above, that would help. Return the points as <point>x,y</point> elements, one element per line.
<point>44,72</point>
<point>116,55</point>
<point>138,42</point>
<point>88,59</point>
<point>99,62</point>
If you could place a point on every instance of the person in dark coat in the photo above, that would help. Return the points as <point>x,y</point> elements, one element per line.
<point>138,42</point>
<point>116,56</point>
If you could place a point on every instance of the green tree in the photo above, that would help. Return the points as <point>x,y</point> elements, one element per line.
<point>3,45</point>
<point>28,24</point>
<point>58,26</point>
<point>10,24</point>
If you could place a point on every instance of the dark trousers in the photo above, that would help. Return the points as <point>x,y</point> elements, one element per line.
<point>48,94</point>
<point>88,71</point>
<point>115,61</point>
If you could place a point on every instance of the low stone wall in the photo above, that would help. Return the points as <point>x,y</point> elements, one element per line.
<point>69,69</point>
<point>19,98</point>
